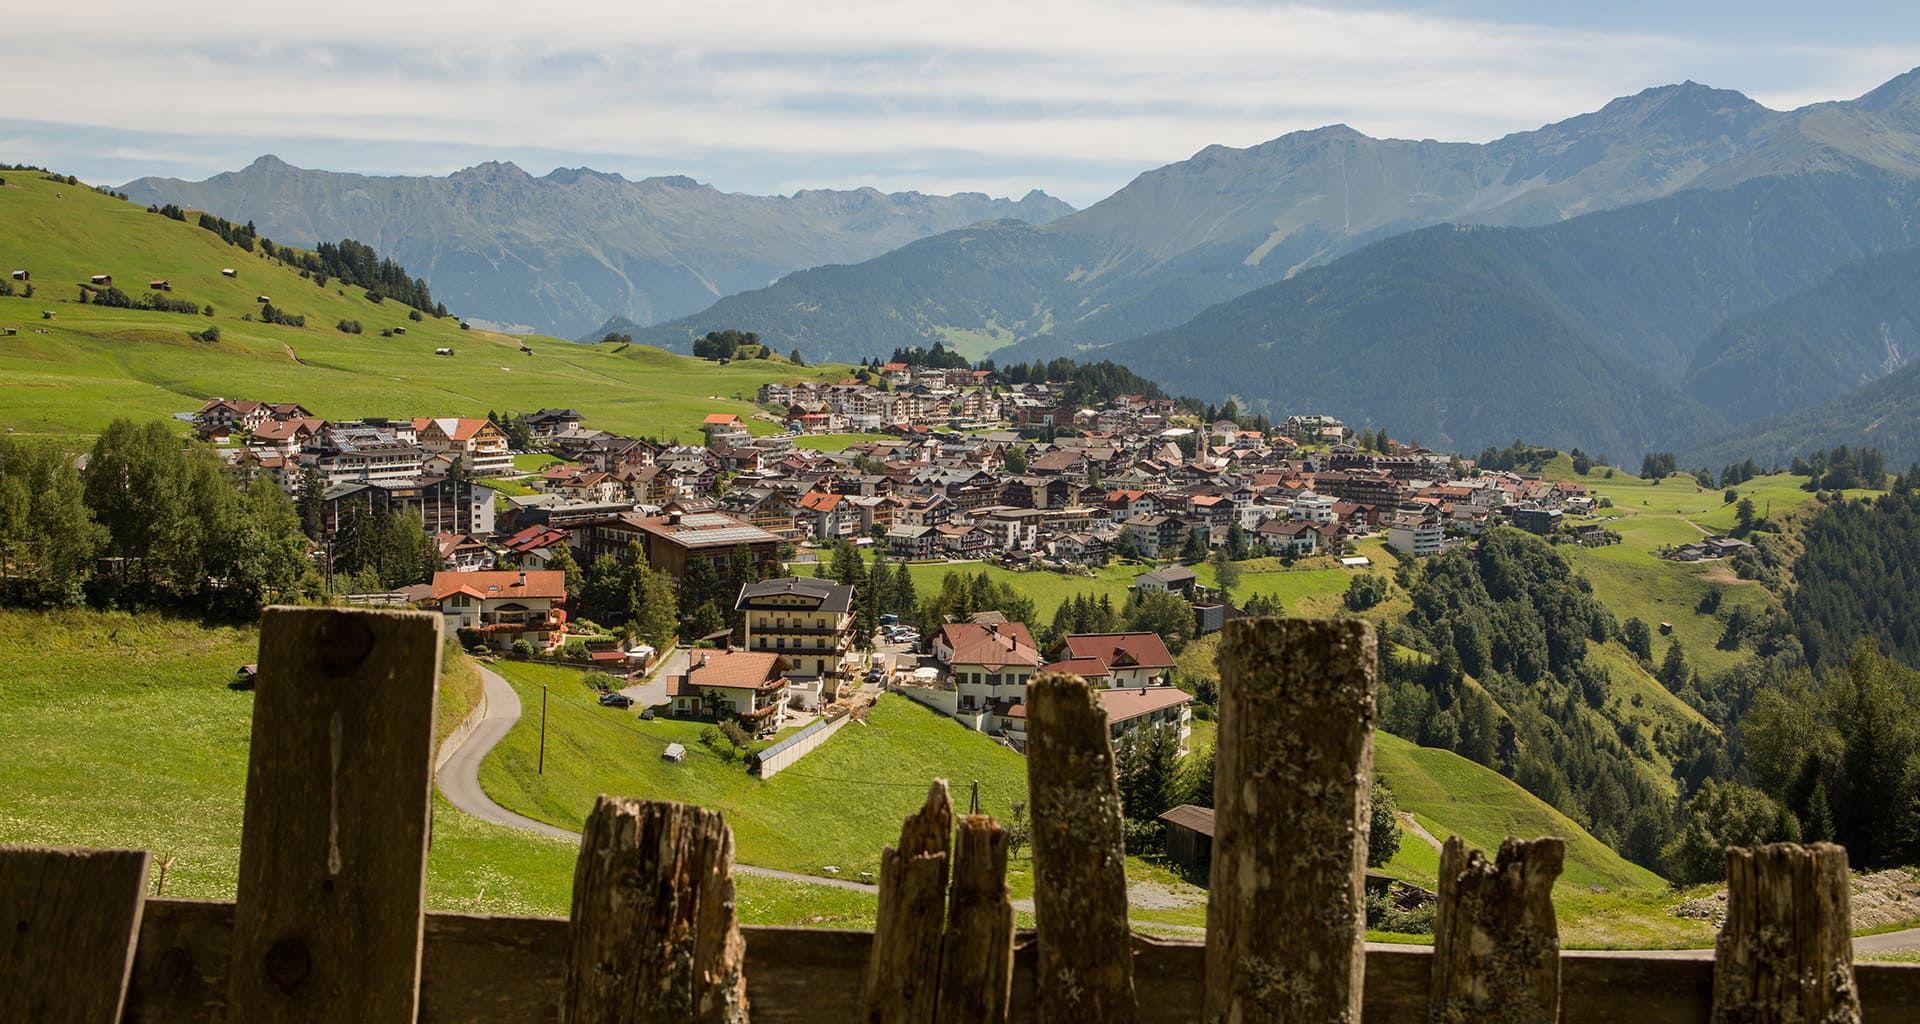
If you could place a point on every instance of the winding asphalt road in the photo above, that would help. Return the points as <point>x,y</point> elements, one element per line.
<point>459,780</point>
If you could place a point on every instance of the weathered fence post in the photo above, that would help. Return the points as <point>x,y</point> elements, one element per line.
<point>1496,945</point>
<point>1085,968</point>
<point>903,971</point>
<point>68,923</point>
<point>976,974</point>
<point>1286,923</point>
<point>654,937</point>
<point>1785,954</point>
<point>333,853</point>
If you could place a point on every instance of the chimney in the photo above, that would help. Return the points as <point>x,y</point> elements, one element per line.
<point>523,579</point>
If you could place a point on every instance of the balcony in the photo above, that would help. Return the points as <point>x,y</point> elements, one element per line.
<point>532,623</point>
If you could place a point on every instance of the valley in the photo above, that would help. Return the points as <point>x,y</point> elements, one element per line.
<point>1009,446</point>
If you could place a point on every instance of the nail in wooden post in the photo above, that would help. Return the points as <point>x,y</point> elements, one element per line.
<point>1286,922</point>
<point>68,923</point>
<point>333,853</point>
<point>976,978</point>
<point>654,937</point>
<point>1085,970</point>
<point>1496,945</point>
<point>903,970</point>
<point>1785,954</point>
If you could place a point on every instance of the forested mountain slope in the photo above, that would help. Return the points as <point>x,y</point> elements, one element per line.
<point>1853,328</point>
<point>1570,334</point>
<point>1884,414</point>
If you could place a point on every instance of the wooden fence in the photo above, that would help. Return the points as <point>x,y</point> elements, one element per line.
<point>328,923</point>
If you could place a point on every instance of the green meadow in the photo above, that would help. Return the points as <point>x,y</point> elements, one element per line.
<point>94,363</point>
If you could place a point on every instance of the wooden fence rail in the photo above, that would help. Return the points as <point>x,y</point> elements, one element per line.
<point>328,923</point>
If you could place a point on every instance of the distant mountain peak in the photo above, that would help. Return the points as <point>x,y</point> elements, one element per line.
<point>571,175</point>
<point>493,170</point>
<point>1685,99</point>
<point>675,181</point>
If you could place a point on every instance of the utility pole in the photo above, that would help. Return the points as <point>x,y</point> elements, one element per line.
<point>542,769</point>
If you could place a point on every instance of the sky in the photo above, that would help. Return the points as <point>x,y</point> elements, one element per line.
<point>1074,97</point>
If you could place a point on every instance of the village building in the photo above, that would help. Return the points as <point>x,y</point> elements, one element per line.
<point>504,606</point>
<point>1416,530</point>
<point>1114,659</point>
<point>988,665</point>
<point>674,540</point>
<point>747,686</point>
<point>805,620</point>
<point>480,446</point>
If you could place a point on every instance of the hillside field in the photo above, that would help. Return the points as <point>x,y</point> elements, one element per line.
<point>1633,582</point>
<point>95,363</point>
<point>121,732</point>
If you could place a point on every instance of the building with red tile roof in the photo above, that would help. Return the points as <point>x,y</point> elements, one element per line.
<point>1124,659</point>
<point>748,685</point>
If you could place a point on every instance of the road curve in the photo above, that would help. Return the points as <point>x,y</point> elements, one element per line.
<point>459,780</point>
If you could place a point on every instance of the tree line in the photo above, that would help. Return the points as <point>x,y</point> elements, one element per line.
<point>151,524</point>
<point>353,263</point>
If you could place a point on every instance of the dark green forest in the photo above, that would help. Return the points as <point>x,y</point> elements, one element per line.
<point>1859,575</point>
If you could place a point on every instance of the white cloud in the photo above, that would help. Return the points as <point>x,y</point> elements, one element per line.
<point>1101,83</point>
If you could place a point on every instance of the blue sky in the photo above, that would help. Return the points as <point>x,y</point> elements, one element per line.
<point>1071,96</point>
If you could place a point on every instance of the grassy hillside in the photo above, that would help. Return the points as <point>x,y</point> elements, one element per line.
<point>121,731</point>
<point>1452,795</point>
<point>840,806</point>
<point>1633,582</point>
<point>95,363</point>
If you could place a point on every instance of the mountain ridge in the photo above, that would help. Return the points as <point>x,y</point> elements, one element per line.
<point>1182,237</point>
<point>1575,333</point>
<point>570,248</point>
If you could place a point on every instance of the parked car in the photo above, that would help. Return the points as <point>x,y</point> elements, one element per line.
<point>615,699</point>
<point>875,674</point>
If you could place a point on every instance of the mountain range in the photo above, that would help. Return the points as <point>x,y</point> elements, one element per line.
<point>1652,275</point>
<point>566,251</point>
<point>1610,295</point>
<point>1228,221</point>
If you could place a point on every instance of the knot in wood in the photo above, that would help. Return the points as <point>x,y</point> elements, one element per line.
<point>345,641</point>
<point>288,963</point>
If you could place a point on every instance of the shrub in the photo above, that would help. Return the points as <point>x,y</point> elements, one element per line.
<point>211,334</point>
<point>348,327</point>
<point>1145,838</point>
<point>601,682</point>
<point>523,648</point>
<point>471,638</point>
<point>413,315</point>
<point>1365,591</point>
<point>1382,915</point>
